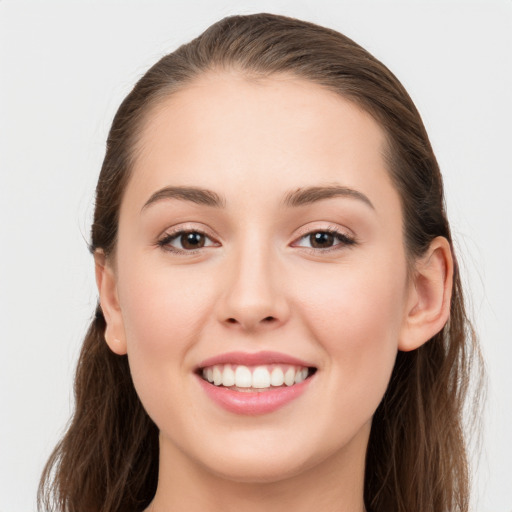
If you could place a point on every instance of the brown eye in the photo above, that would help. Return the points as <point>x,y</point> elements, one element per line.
<point>321,240</point>
<point>186,241</point>
<point>192,240</point>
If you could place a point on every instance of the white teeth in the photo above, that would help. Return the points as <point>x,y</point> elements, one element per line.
<point>217,375</point>
<point>260,377</point>
<point>301,375</point>
<point>277,377</point>
<point>243,377</point>
<point>228,376</point>
<point>289,377</point>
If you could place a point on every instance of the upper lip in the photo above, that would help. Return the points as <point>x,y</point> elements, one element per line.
<point>253,359</point>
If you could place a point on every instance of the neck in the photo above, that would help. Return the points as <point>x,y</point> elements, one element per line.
<point>333,485</point>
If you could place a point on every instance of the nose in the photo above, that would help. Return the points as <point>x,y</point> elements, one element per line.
<point>253,297</point>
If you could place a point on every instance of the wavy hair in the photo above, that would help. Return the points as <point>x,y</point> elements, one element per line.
<point>417,456</point>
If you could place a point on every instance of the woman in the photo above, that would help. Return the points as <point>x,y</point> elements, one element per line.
<point>281,320</point>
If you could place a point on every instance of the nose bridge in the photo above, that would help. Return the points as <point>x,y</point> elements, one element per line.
<point>252,295</point>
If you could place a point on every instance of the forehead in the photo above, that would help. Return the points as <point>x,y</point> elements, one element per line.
<point>232,134</point>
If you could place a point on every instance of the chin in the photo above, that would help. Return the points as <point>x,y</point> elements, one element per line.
<point>259,470</point>
<point>265,458</point>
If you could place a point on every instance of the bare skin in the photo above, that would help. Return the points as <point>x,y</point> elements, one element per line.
<point>259,280</point>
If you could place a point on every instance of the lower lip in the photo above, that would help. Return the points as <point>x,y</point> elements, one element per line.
<point>253,403</point>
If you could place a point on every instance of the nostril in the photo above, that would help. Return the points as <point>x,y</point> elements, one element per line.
<point>266,320</point>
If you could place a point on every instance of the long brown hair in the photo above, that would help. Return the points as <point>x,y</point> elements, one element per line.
<point>417,454</point>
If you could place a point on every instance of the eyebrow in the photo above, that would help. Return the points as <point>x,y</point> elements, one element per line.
<point>308,195</point>
<point>300,197</point>
<point>192,194</point>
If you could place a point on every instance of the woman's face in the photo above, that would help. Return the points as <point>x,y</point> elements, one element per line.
<point>260,240</point>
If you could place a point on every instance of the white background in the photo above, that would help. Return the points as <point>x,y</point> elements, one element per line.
<point>65,67</point>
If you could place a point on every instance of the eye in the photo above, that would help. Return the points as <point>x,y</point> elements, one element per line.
<point>324,240</point>
<point>186,241</point>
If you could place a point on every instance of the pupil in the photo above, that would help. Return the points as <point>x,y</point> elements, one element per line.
<point>321,239</point>
<point>192,240</point>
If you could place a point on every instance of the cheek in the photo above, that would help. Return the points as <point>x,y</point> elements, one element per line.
<point>164,314</point>
<point>162,309</point>
<point>356,315</point>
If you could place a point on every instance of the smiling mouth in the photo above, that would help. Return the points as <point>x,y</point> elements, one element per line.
<point>255,378</point>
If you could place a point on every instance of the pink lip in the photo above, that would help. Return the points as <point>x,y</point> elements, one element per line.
<point>253,359</point>
<point>258,402</point>
<point>253,403</point>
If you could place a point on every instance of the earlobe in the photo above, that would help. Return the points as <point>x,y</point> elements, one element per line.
<point>107,289</point>
<point>428,307</point>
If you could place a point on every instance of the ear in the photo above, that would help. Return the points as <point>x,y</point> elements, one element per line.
<point>428,306</point>
<point>107,288</point>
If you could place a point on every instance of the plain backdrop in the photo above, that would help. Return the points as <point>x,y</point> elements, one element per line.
<point>65,67</point>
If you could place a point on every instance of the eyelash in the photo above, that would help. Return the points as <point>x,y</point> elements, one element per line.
<point>343,239</point>
<point>165,242</point>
